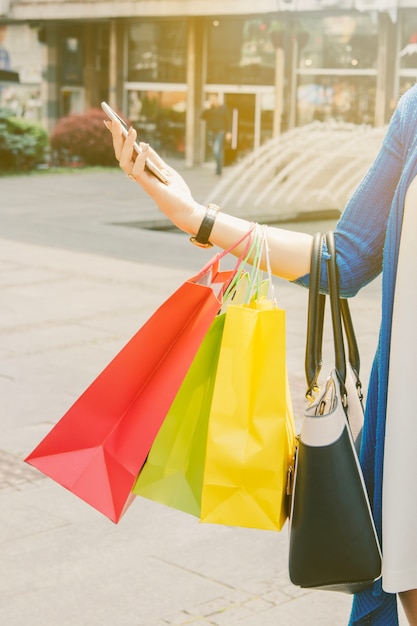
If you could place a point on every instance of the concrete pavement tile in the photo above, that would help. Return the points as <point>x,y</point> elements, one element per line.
<point>26,257</point>
<point>8,264</point>
<point>237,596</point>
<point>312,609</point>
<point>184,619</point>
<point>180,618</point>
<point>200,622</point>
<point>51,339</point>
<point>209,610</point>
<point>246,561</point>
<point>16,276</point>
<point>14,473</point>
<point>235,615</point>
<point>276,596</point>
<point>258,605</point>
<point>22,521</point>
<point>214,606</point>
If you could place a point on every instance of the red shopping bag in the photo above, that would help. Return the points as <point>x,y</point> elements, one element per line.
<point>98,447</point>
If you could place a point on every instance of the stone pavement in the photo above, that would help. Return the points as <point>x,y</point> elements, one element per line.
<point>75,287</point>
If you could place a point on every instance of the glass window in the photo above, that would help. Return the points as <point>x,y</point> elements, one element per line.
<point>157,52</point>
<point>159,118</point>
<point>341,98</point>
<point>72,64</point>
<point>408,45</point>
<point>21,52</point>
<point>339,42</point>
<point>241,51</point>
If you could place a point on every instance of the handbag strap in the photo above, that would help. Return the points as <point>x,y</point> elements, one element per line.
<point>340,314</point>
<point>354,358</point>
<point>339,344</point>
<point>315,318</point>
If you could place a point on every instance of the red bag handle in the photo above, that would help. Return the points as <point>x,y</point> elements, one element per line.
<point>214,263</point>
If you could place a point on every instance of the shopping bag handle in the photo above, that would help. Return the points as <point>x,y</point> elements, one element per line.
<point>213,265</point>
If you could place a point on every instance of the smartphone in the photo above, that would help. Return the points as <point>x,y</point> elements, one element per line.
<point>150,165</point>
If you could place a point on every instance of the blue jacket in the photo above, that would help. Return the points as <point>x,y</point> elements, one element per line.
<point>367,240</point>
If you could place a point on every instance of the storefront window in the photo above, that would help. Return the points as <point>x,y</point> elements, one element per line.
<point>159,118</point>
<point>72,63</point>
<point>340,98</point>
<point>21,52</point>
<point>337,68</point>
<point>242,51</point>
<point>408,46</point>
<point>407,51</point>
<point>157,52</point>
<point>340,42</point>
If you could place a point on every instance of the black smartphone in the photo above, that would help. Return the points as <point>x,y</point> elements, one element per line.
<point>150,165</point>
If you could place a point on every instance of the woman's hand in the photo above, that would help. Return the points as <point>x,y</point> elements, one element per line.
<point>290,251</point>
<point>173,199</point>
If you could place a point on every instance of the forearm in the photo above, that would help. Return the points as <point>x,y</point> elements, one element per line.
<point>289,250</point>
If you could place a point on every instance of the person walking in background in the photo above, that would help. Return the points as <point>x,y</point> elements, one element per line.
<point>4,55</point>
<point>376,233</point>
<point>217,118</point>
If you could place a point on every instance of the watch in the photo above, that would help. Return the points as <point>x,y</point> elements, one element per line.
<point>201,239</point>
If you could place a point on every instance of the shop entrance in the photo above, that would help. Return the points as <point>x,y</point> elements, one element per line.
<point>252,121</point>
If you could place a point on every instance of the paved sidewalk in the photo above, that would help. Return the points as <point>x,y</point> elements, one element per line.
<point>75,287</point>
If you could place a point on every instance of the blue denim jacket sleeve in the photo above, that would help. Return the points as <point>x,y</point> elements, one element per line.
<point>361,229</point>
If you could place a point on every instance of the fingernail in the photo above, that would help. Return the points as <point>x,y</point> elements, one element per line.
<point>144,146</point>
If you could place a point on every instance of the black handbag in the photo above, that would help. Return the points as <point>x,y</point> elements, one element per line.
<point>333,541</point>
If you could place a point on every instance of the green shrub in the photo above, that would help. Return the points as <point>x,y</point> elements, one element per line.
<point>22,144</point>
<point>82,139</point>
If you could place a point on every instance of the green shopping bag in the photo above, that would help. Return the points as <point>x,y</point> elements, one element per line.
<point>173,471</point>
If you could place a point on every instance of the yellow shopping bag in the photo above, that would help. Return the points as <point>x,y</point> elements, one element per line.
<point>250,440</point>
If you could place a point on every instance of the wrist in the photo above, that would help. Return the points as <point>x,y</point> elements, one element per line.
<point>195,218</point>
<point>206,222</point>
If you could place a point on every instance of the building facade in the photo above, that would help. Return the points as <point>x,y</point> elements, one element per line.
<point>277,64</point>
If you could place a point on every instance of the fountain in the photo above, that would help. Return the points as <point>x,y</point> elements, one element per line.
<point>308,171</point>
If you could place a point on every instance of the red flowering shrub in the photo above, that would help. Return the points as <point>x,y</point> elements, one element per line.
<point>82,139</point>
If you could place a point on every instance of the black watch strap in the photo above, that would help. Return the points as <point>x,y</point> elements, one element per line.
<point>202,237</point>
